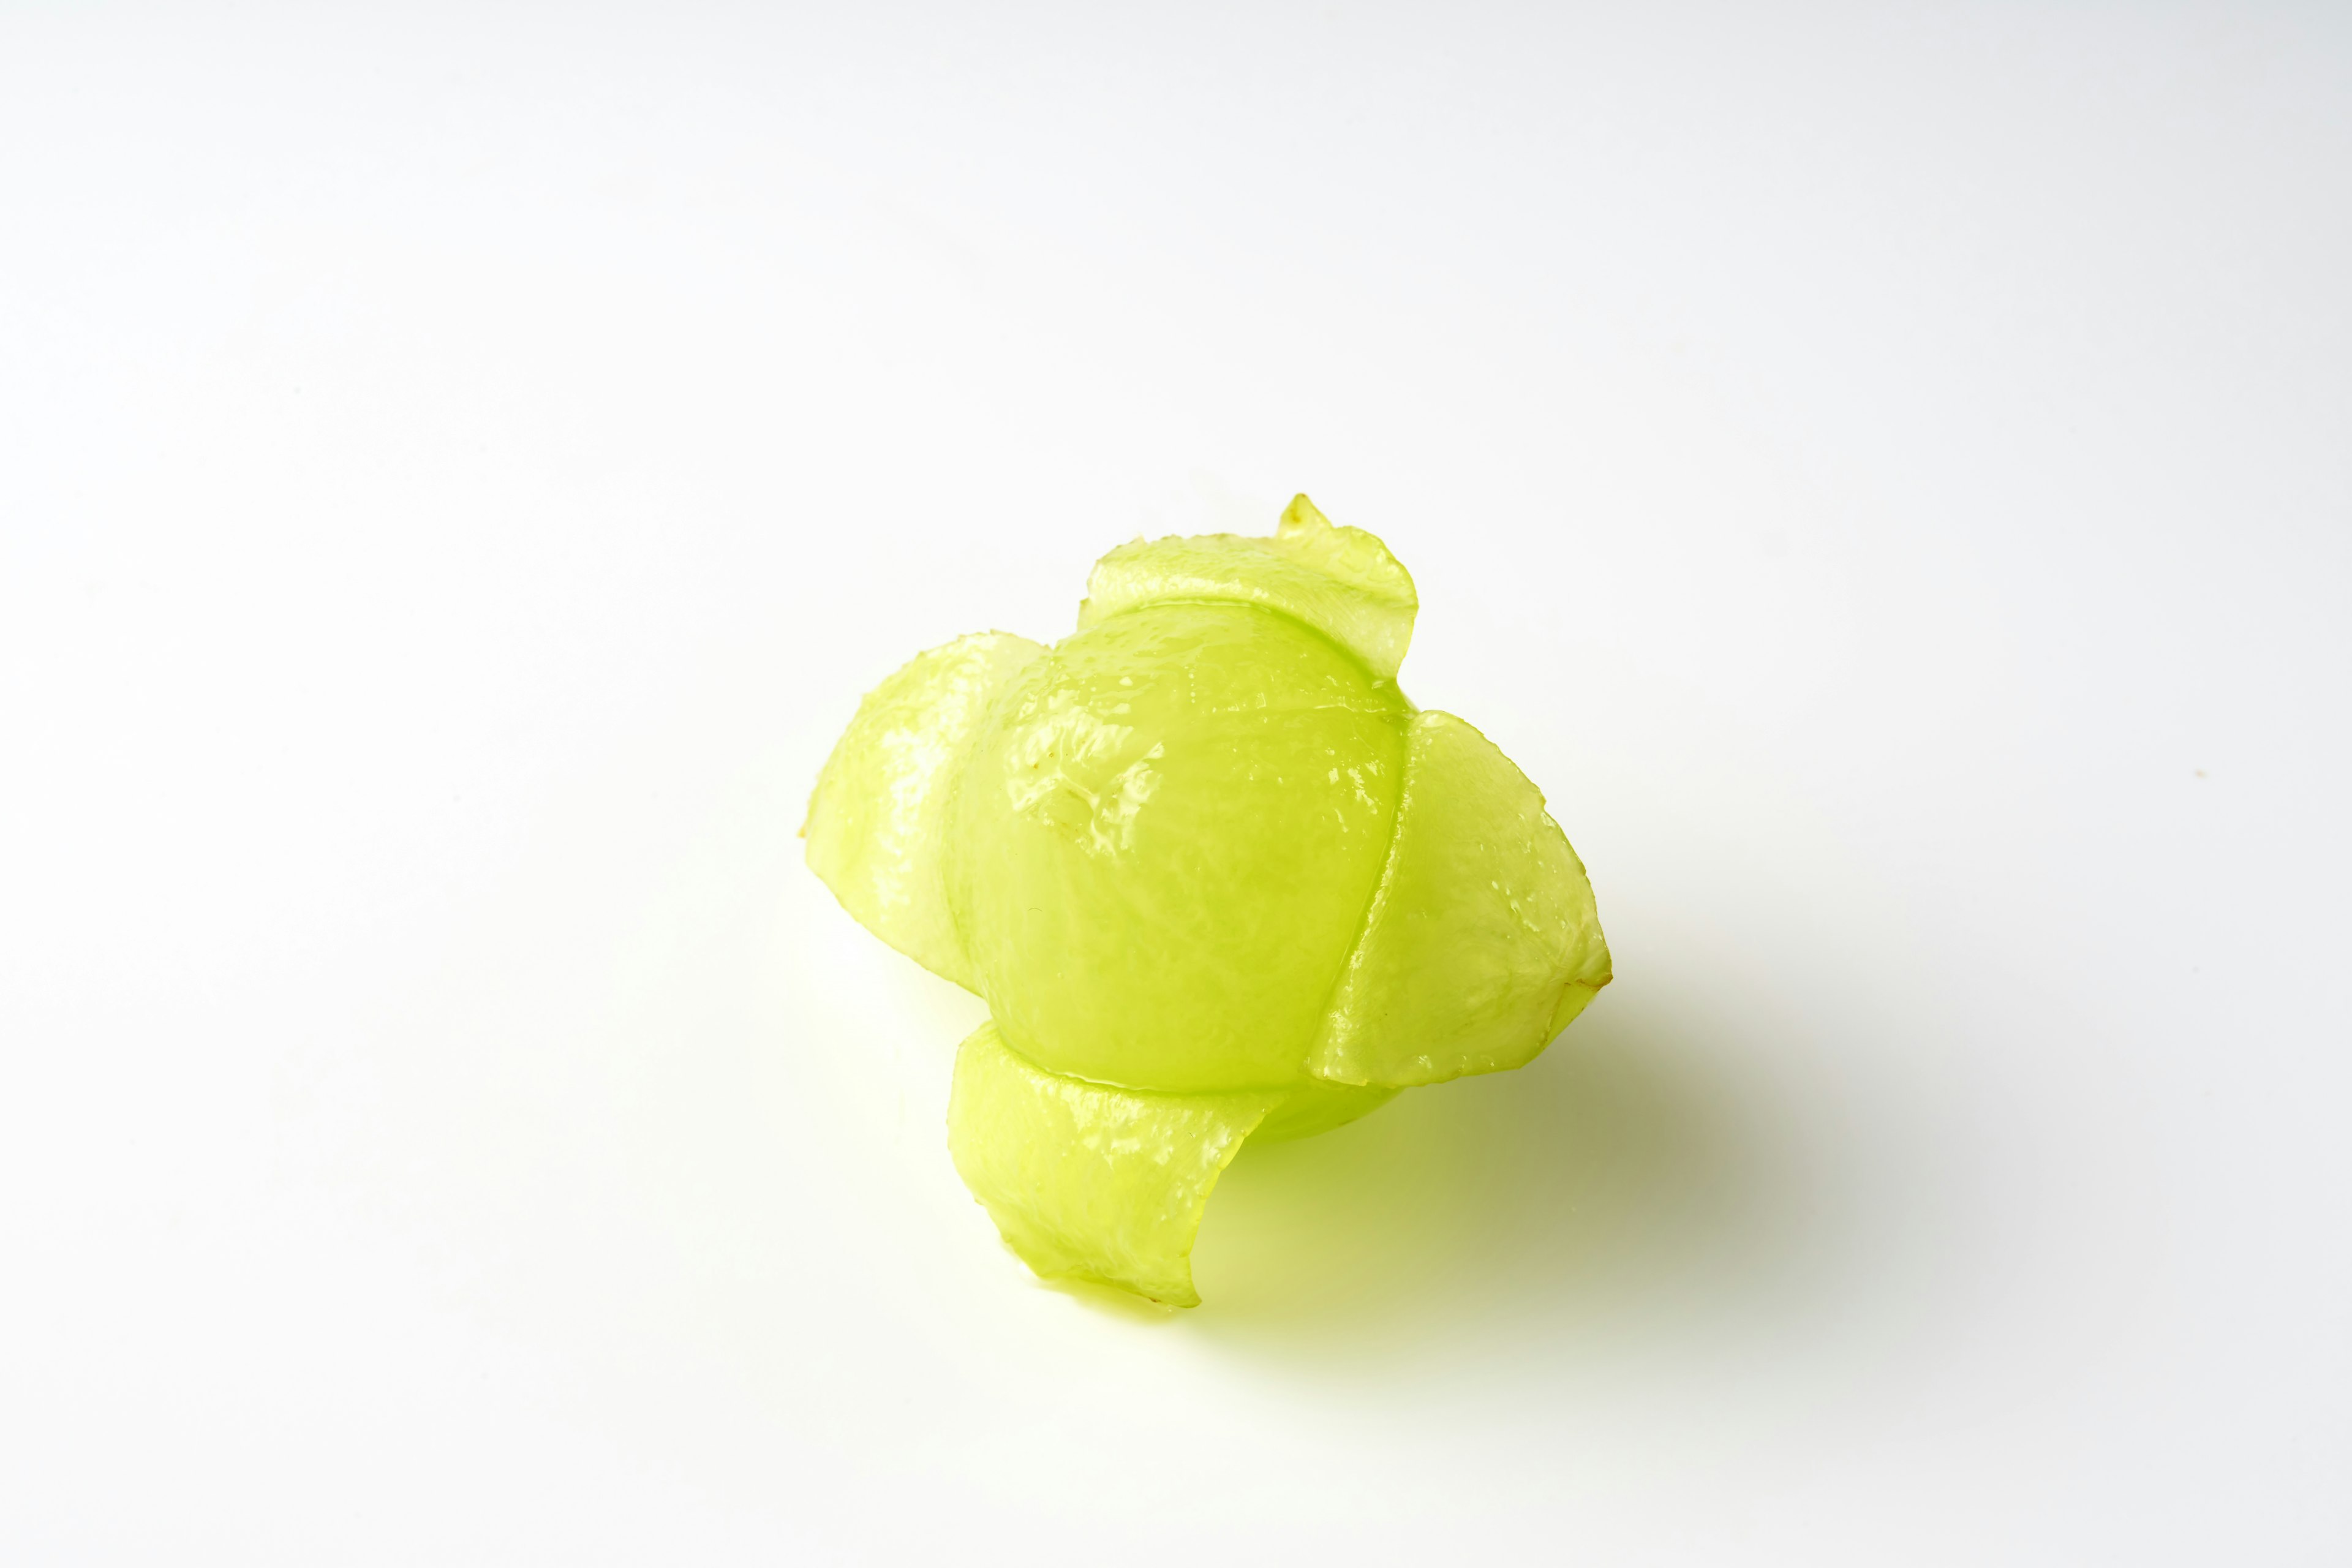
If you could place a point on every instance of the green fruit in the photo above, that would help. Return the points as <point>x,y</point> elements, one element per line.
<point>1213,874</point>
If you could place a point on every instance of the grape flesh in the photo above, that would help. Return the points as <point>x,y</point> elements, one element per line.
<point>1164,839</point>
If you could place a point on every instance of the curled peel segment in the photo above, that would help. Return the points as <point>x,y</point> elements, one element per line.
<point>1482,941</point>
<point>1089,1181</point>
<point>877,821</point>
<point>1341,581</point>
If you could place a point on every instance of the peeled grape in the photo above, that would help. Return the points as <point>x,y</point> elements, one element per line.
<point>1213,874</point>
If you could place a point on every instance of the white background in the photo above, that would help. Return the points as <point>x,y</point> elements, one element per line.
<point>1885,471</point>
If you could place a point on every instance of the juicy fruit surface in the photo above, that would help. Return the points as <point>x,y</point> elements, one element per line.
<point>1164,841</point>
<point>877,820</point>
<point>1087,1182</point>
<point>1482,941</point>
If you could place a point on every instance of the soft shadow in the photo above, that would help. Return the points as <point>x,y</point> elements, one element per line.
<point>1614,1178</point>
<point>1109,1301</point>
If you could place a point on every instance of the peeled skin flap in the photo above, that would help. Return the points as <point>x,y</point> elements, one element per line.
<point>1087,1182</point>
<point>1482,941</point>
<point>877,822</point>
<point>1341,581</point>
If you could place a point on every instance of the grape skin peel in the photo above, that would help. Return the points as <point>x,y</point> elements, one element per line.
<point>1214,876</point>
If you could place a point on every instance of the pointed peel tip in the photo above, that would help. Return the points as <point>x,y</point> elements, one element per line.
<point>1301,515</point>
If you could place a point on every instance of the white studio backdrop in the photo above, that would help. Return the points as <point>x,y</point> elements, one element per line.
<point>1883,470</point>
